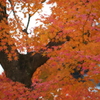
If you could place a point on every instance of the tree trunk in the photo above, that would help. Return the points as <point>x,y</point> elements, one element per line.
<point>23,69</point>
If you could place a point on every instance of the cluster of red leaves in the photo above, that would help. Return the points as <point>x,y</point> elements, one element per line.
<point>53,81</point>
<point>13,90</point>
<point>53,89</point>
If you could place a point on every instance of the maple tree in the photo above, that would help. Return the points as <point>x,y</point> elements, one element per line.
<point>63,55</point>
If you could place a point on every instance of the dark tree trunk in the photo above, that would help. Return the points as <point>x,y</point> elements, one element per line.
<point>23,69</point>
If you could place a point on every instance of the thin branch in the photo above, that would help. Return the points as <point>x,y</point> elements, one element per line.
<point>13,10</point>
<point>25,30</point>
<point>43,1</point>
<point>28,22</point>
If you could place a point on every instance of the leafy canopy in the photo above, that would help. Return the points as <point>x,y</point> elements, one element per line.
<point>76,24</point>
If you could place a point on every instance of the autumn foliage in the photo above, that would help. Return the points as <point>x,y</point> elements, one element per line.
<point>69,37</point>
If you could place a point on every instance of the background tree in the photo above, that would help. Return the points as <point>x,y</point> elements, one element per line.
<point>67,48</point>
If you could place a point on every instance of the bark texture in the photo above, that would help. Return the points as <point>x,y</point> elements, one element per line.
<point>23,69</point>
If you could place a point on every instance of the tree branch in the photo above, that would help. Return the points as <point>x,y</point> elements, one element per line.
<point>13,11</point>
<point>25,30</point>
